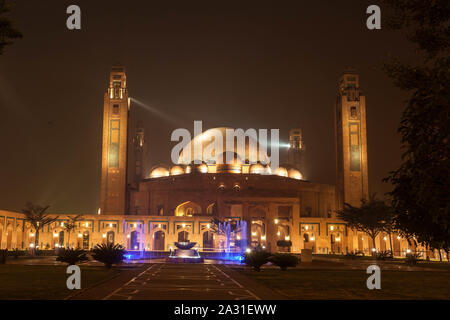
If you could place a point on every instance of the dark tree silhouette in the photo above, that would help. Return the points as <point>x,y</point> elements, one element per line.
<point>7,31</point>
<point>371,217</point>
<point>422,183</point>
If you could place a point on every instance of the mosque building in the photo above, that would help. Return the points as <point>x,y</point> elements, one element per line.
<point>220,206</point>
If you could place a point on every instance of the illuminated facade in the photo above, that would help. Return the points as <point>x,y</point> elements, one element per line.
<point>181,201</point>
<point>115,139</point>
<point>351,142</point>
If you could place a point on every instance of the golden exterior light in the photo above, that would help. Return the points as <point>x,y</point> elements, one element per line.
<point>55,235</point>
<point>128,236</point>
<point>248,250</point>
<point>80,235</point>
<point>276,221</point>
<point>31,234</point>
<point>104,235</point>
<point>183,225</point>
<point>306,227</point>
<point>238,237</point>
<point>254,234</point>
<point>209,226</point>
<point>287,238</point>
<point>332,228</point>
<point>263,237</point>
<point>278,233</point>
<point>312,238</point>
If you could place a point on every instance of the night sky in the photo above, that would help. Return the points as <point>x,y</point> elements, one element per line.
<point>242,64</point>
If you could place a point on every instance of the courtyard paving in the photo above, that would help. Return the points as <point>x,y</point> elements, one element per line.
<point>163,281</point>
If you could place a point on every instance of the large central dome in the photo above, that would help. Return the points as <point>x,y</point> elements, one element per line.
<point>251,151</point>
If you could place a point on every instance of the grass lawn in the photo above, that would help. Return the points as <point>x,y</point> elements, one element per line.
<point>351,284</point>
<point>45,282</point>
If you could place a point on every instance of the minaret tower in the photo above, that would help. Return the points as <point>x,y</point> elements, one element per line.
<point>114,156</point>
<point>296,151</point>
<point>351,142</point>
<point>139,153</point>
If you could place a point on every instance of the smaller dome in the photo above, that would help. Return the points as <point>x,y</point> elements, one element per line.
<point>159,172</point>
<point>257,169</point>
<point>295,174</point>
<point>176,170</point>
<point>281,172</point>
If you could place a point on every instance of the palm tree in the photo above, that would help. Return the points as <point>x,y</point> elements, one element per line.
<point>70,226</point>
<point>108,254</point>
<point>38,218</point>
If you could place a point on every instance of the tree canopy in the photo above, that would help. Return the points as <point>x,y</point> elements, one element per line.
<point>421,184</point>
<point>372,217</point>
<point>7,30</point>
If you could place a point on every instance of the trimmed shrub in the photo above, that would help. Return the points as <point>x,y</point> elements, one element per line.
<point>284,260</point>
<point>256,259</point>
<point>108,254</point>
<point>71,256</point>
<point>384,255</point>
<point>412,258</point>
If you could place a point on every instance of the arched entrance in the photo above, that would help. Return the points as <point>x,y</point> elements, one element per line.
<point>61,239</point>
<point>188,209</point>
<point>110,237</point>
<point>19,238</point>
<point>208,240</point>
<point>256,234</point>
<point>86,240</point>
<point>159,241</point>
<point>134,240</point>
<point>183,236</point>
<point>9,234</point>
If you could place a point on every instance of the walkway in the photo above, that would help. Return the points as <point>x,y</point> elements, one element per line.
<point>181,282</point>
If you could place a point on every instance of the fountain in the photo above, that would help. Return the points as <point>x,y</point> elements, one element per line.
<point>184,253</point>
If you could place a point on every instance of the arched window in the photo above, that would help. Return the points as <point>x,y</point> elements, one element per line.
<point>188,208</point>
<point>158,241</point>
<point>110,237</point>
<point>183,236</point>
<point>9,234</point>
<point>208,240</point>
<point>134,240</point>
<point>61,239</point>
<point>86,240</point>
<point>305,237</point>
